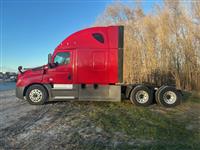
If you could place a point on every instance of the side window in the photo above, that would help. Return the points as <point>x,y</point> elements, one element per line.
<point>62,58</point>
<point>98,37</point>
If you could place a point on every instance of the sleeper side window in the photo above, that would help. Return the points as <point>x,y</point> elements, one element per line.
<point>99,37</point>
<point>62,58</point>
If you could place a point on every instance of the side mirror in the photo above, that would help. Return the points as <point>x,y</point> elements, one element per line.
<point>49,58</point>
<point>20,69</point>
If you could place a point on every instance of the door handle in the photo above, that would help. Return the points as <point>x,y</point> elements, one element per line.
<point>69,77</point>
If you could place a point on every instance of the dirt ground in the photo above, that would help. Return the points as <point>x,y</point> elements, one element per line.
<point>54,125</point>
<point>74,125</point>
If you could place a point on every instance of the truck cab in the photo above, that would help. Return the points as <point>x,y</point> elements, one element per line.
<point>88,62</point>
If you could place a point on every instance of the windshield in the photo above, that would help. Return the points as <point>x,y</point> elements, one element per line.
<point>62,58</point>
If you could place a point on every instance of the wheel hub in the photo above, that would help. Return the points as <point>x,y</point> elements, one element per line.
<point>35,95</point>
<point>170,97</point>
<point>142,96</point>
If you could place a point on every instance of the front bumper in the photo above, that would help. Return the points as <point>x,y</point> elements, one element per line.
<point>20,92</point>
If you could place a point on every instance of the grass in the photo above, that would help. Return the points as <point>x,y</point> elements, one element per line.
<point>193,97</point>
<point>126,126</point>
<point>152,127</point>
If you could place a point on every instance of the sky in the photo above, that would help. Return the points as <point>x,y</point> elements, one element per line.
<point>31,29</point>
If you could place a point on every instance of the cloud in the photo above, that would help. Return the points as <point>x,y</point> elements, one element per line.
<point>7,69</point>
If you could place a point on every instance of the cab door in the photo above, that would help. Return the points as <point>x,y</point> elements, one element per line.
<point>62,72</point>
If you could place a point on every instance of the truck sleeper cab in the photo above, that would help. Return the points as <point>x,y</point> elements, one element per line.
<point>88,65</point>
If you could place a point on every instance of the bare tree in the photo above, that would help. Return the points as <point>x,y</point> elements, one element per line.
<point>160,47</point>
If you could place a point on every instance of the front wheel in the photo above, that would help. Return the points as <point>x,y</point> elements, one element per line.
<point>141,96</point>
<point>36,95</point>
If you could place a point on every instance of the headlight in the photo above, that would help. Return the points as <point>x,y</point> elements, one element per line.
<point>18,81</point>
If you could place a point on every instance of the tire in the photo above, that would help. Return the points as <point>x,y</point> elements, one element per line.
<point>141,96</point>
<point>36,95</point>
<point>168,96</point>
<point>156,94</point>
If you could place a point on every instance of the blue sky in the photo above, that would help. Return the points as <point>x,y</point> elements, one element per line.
<point>30,29</point>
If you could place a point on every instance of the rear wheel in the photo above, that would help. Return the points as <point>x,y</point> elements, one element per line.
<point>168,96</point>
<point>36,95</point>
<point>156,94</point>
<point>141,96</point>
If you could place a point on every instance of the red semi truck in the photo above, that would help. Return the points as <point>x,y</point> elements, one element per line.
<point>88,65</point>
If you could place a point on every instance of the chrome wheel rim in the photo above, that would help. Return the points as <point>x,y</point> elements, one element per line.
<point>35,95</point>
<point>170,97</point>
<point>142,96</point>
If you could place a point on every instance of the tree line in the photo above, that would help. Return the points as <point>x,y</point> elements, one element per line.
<point>161,46</point>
